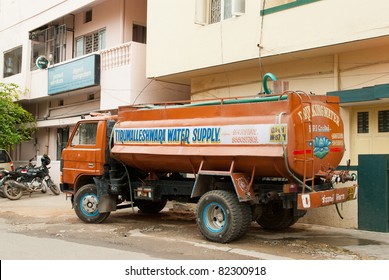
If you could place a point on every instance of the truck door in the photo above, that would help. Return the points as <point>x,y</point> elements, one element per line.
<point>82,156</point>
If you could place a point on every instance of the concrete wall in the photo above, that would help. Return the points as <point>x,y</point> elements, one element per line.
<point>127,84</point>
<point>177,44</point>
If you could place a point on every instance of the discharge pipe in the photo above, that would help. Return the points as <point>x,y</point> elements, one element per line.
<point>264,81</point>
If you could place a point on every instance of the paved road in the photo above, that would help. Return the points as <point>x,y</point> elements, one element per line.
<point>20,246</point>
<point>45,227</point>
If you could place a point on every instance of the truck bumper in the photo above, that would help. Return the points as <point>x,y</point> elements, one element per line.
<point>326,198</point>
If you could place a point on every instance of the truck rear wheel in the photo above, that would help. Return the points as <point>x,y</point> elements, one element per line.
<point>221,218</point>
<point>86,205</point>
<point>275,217</point>
<point>150,207</point>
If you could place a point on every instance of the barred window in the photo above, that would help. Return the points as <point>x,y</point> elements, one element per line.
<point>212,11</point>
<point>383,121</point>
<point>363,122</point>
<point>215,11</point>
<point>90,43</point>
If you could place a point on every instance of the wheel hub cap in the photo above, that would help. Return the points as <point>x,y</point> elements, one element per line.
<point>89,204</point>
<point>215,217</point>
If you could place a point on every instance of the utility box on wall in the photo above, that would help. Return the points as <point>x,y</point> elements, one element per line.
<point>373,197</point>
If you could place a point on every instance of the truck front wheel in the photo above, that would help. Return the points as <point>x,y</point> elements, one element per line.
<point>86,205</point>
<point>221,218</point>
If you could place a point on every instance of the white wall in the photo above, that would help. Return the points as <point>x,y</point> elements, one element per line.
<point>127,84</point>
<point>324,23</point>
<point>176,44</point>
<point>104,15</point>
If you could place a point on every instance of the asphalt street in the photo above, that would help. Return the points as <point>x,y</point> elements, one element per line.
<point>44,226</point>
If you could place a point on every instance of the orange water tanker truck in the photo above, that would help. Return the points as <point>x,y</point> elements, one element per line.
<point>267,158</point>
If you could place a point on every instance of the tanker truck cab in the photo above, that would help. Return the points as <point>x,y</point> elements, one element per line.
<point>85,154</point>
<point>267,159</point>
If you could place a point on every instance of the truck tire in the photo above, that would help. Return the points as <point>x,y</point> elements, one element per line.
<point>150,207</point>
<point>221,218</point>
<point>247,218</point>
<point>275,217</point>
<point>86,205</point>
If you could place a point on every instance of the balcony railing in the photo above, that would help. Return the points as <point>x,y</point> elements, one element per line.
<point>115,57</point>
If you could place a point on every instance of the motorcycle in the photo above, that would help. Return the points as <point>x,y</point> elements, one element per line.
<point>3,173</point>
<point>28,179</point>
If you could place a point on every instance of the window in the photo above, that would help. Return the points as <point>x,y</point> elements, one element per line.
<point>383,121</point>
<point>212,11</point>
<point>139,33</point>
<point>85,134</point>
<point>12,62</point>
<point>49,42</point>
<point>363,122</point>
<point>90,43</point>
<point>88,16</point>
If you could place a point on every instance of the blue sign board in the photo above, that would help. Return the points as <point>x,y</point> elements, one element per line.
<point>81,73</point>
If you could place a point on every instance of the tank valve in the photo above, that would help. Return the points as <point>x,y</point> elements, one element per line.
<point>337,176</point>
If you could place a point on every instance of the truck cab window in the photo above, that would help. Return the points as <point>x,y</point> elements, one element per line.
<point>85,134</point>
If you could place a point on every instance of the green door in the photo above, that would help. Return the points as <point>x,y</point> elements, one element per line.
<point>373,197</point>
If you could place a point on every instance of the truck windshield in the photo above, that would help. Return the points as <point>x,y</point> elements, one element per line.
<point>85,134</point>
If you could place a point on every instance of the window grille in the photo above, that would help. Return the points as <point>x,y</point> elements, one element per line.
<point>383,121</point>
<point>215,11</point>
<point>363,122</point>
<point>90,43</point>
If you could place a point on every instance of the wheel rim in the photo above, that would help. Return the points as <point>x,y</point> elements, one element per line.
<point>88,203</point>
<point>12,191</point>
<point>214,217</point>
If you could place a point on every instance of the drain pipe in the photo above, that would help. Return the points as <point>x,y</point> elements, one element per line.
<point>336,73</point>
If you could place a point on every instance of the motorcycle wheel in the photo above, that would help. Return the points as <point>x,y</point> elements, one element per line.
<point>53,187</point>
<point>2,193</point>
<point>44,189</point>
<point>12,193</point>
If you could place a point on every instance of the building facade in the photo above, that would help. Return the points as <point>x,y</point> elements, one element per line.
<point>76,57</point>
<point>222,48</point>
